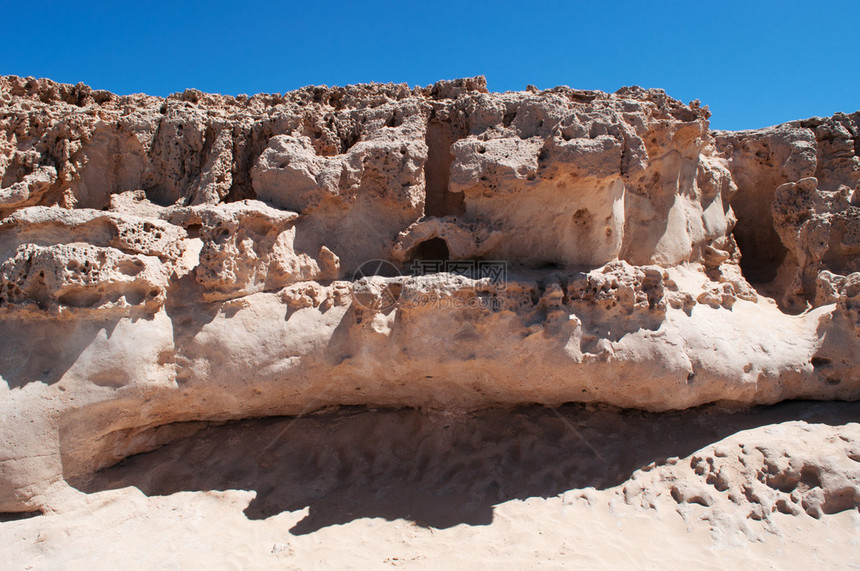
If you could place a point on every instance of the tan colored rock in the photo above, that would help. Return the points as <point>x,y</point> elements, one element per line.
<point>797,182</point>
<point>62,278</point>
<point>789,468</point>
<point>205,258</point>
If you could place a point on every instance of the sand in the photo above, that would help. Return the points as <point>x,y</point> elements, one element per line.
<point>580,486</point>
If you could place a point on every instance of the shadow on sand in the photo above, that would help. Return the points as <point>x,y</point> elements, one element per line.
<point>435,469</point>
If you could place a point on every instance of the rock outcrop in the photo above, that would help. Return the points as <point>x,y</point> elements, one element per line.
<point>204,258</point>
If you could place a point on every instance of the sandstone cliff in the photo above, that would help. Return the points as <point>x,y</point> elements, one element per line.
<point>204,257</point>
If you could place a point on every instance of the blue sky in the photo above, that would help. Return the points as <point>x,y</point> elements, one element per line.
<point>753,63</point>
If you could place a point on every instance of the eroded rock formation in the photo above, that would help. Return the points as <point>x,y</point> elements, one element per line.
<point>204,257</point>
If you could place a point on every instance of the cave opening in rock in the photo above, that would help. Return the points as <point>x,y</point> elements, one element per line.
<point>435,249</point>
<point>762,251</point>
<point>761,254</point>
<point>439,201</point>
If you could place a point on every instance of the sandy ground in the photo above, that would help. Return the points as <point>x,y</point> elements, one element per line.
<point>583,487</point>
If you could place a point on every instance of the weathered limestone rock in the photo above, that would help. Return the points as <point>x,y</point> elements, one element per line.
<point>204,258</point>
<point>762,475</point>
<point>797,203</point>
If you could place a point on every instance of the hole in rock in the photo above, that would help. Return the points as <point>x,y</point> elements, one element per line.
<point>762,252</point>
<point>161,195</point>
<point>135,296</point>
<point>434,249</point>
<point>193,230</point>
<point>809,477</point>
<point>80,298</point>
<point>130,268</point>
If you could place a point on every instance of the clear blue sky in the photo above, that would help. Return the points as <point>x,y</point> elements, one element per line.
<point>754,63</point>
